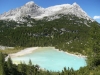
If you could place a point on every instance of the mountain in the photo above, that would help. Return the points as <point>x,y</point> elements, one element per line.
<point>38,12</point>
<point>67,23</point>
<point>66,27</point>
<point>29,8</point>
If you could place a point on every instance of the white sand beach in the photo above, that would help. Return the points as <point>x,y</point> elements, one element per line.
<point>22,52</point>
<point>78,55</point>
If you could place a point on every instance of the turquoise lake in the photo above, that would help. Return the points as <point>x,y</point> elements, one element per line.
<point>49,58</point>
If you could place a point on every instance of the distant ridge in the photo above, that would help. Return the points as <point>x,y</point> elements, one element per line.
<point>37,12</point>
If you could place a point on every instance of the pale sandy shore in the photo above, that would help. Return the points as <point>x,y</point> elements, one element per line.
<point>22,52</point>
<point>78,55</point>
<point>31,49</point>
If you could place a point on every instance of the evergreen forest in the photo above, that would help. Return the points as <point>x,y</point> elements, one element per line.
<point>68,33</point>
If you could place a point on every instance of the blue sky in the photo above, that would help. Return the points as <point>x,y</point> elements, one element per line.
<point>91,7</point>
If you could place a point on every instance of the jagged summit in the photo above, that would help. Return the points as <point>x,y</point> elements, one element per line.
<point>75,4</point>
<point>29,8</point>
<point>29,3</point>
<point>37,12</point>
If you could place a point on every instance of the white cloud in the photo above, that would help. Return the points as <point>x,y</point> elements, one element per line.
<point>96,17</point>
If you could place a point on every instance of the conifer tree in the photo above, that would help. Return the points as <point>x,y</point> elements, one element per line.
<point>2,70</point>
<point>10,66</point>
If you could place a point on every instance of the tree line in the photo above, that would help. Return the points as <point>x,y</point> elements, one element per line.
<point>68,33</point>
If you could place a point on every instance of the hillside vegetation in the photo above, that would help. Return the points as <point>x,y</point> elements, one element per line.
<point>68,33</point>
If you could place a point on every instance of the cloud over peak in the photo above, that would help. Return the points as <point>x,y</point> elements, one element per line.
<point>96,17</point>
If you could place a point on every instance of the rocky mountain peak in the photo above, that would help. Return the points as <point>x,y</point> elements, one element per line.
<point>37,12</point>
<point>31,4</point>
<point>75,4</point>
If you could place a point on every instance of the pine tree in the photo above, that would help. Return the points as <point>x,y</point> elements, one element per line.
<point>2,70</point>
<point>30,68</point>
<point>21,68</point>
<point>10,66</point>
<point>94,58</point>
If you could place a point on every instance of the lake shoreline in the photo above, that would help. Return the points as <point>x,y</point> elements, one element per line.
<point>74,54</point>
<point>31,49</point>
<point>22,52</point>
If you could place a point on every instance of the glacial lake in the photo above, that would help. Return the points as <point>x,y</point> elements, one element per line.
<point>49,58</point>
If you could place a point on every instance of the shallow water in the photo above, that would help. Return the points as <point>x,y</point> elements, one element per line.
<point>50,59</point>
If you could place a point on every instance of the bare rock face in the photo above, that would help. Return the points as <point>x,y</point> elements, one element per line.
<point>38,12</point>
